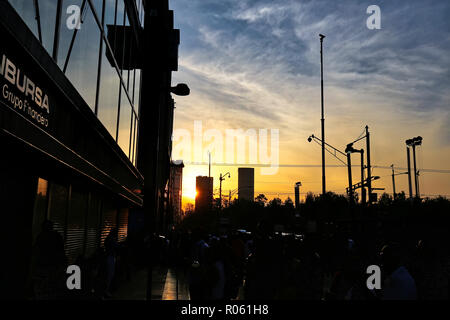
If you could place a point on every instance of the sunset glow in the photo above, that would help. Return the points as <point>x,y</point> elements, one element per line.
<point>262,71</point>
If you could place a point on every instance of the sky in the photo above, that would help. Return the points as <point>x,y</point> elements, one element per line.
<point>255,64</point>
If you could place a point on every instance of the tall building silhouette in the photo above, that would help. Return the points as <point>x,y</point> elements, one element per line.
<point>176,191</point>
<point>246,184</point>
<point>204,196</point>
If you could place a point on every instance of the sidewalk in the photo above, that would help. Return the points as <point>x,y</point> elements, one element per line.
<point>174,290</point>
<point>164,285</point>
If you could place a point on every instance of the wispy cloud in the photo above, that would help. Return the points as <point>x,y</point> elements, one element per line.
<point>255,64</point>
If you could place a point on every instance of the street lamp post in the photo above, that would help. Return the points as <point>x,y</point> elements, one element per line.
<point>349,150</point>
<point>416,141</point>
<point>408,157</point>
<point>321,36</point>
<point>297,195</point>
<point>221,178</point>
<point>369,169</point>
<point>350,184</point>
<point>393,181</point>
<point>180,89</point>
<point>363,190</point>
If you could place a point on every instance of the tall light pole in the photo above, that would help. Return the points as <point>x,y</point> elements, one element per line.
<point>363,189</point>
<point>349,150</point>
<point>408,157</point>
<point>221,178</point>
<point>369,169</point>
<point>415,169</point>
<point>350,183</point>
<point>297,195</point>
<point>321,36</point>
<point>416,141</point>
<point>393,181</point>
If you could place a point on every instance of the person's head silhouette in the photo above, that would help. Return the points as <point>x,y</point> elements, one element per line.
<point>391,257</point>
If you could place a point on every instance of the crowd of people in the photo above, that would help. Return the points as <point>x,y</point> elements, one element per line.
<point>240,265</point>
<point>259,265</point>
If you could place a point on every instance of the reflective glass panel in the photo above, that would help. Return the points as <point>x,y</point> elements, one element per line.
<point>108,95</point>
<point>82,65</point>
<point>47,17</point>
<point>125,124</point>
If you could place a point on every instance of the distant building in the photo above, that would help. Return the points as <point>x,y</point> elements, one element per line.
<point>204,197</point>
<point>176,190</point>
<point>297,195</point>
<point>246,184</point>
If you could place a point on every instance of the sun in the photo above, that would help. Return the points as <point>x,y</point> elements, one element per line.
<point>191,194</point>
<point>189,180</point>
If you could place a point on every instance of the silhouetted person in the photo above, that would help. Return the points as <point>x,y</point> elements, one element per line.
<point>197,270</point>
<point>49,263</point>
<point>216,274</point>
<point>430,268</point>
<point>111,245</point>
<point>398,284</point>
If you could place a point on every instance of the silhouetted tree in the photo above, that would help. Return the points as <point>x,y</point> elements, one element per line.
<point>288,203</point>
<point>275,202</point>
<point>261,199</point>
<point>385,199</point>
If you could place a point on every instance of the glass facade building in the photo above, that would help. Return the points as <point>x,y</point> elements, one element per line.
<point>84,51</point>
<point>71,117</point>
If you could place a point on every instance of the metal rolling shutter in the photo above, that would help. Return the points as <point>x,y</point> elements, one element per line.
<point>93,226</point>
<point>58,207</point>
<point>109,220</point>
<point>123,224</point>
<point>76,222</point>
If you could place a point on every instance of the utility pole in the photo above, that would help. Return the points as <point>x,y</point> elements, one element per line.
<point>369,169</point>
<point>415,170</point>
<point>418,189</point>
<point>363,190</point>
<point>416,141</point>
<point>408,157</point>
<point>297,195</point>
<point>221,178</point>
<point>393,181</point>
<point>322,114</point>
<point>349,150</point>
<point>350,184</point>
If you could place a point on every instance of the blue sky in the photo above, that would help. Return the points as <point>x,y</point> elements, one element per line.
<point>256,64</point>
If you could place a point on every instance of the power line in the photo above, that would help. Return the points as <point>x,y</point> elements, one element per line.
<point>263,165</point>
<point>333,154</point>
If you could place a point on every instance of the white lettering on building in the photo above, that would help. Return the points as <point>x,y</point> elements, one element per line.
<point>24,84</point>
